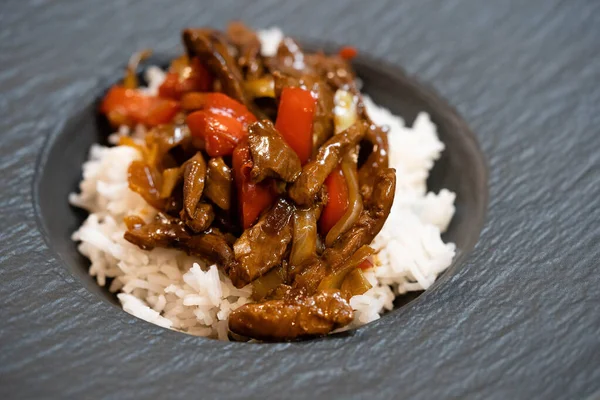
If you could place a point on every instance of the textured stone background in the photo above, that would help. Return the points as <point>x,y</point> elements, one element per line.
<point>519,320</point>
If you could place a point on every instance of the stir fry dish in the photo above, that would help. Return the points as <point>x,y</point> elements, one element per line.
<point>268,167</point>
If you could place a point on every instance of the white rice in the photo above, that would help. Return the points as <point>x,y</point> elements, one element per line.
<point>171,289</point>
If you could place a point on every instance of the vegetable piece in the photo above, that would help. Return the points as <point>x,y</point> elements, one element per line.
<point>223,104</point>
<point>189,76</point>
<point>335,279</point>
<point>253,198</point>
<point>304,244</point>
<point>336,207</point>
<point>304,190</point>
<point>145,180</point>
<point>369,224</point>
<point>218,183</point>
<point>323,120</point>
<point>166,137</point>
<point>129,107</point>
<point>170,178</point>
<point>264,284</point>
<point>261,87</point>
<point>221,123</point>
<point>130,81</point>
<point>133,221</point>
<point>192,101</point>
<point>221,133</point>
<point>354,204</point>
<point>365,265</point>
<point>344,112</point>
<point>348,52</point>
<point>295,120</point>
<point>354,284</point>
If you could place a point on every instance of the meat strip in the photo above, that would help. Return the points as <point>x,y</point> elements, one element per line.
<point>164,231</point>
<point>211,48</point>
<point>362,233</point>
<point>314,173</point>
<point>248,45</point>
<point>198,216</point>
<point>294,317</point>
<point>264,245</point>
<point>377,160</point>
<point>211,246</point>
<point>271,155</point>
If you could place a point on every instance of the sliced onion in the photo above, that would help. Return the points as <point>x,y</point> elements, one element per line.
<point>335,280</point>
<point>345,110</point>
<point>261,87</point>
<point>304,245</point>
<point>130,81</point>
<point>355,204</point>
<point>170,178</point>
<point>355,283</point>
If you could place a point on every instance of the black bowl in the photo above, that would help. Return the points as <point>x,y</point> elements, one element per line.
<point>461,168</point>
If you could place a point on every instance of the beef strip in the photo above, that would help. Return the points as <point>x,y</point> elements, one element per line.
<point>288,60</point>
<point>168,232</point>
<point>315,172</point>
<point>264,245</point>
<point>211,47</point>
<point>219,183</point>
<point>271,155</point>
<point>164,231</point>
<point>248,45</point>
<point>336,71</point>
<point>361,233</point>
<point>203,217</point>
<point>295,316</point>
<point>211,246</point>
<point>375,162</point>
<point>198,216</point>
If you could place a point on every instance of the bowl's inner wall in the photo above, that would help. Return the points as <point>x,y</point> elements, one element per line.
<point>461,168</point>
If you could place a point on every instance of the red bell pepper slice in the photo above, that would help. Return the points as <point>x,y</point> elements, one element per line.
<point>366,264</point>
<point>295,120</point>
<point>130,107</point>
<point>220,103</point>
<point>348,52</point>
<point>253,198</point>
<point>221,133</point>
<point>337,191</point>
<point>196,79</point>
<point>222,123</point>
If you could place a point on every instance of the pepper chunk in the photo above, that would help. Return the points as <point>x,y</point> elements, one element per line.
<point>336,207</point>
<point>253,198</point>
<point>190,77</point>
<point>348,52</point>
<point>295,120</point>
<point>129,107</point>
<point>222,123</point>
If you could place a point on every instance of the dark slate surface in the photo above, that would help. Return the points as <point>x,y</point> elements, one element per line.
<point>519,320</point>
